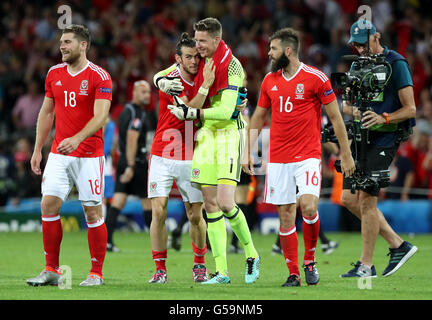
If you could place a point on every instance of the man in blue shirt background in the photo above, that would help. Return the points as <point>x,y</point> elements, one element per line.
<point>392,109</point>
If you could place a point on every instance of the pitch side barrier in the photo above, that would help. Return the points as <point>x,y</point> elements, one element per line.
<point>413,216</point>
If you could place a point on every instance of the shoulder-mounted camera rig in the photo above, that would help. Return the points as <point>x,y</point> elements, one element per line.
<point>365,81</point>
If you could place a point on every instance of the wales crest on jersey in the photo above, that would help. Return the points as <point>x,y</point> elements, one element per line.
<point>84,87</point>
<point>300,91</point>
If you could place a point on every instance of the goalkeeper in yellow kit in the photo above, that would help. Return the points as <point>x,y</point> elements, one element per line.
<point>219,145</point>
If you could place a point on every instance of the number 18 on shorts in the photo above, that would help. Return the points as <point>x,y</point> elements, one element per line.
<point>283,179</point>
<point>63,172</point>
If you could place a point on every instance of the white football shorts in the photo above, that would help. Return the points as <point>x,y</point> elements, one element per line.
<point>283,179</point>
<point>63,172</point>
<point>162,173</point>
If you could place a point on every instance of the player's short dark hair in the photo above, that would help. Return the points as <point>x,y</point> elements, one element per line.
<point>81,32</point>
<point>211,25</point>
<point>288,37</point>
<point>185,41</point>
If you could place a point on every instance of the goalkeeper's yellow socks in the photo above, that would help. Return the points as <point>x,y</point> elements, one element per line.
<point>216,230</point>
<point>240,227</point>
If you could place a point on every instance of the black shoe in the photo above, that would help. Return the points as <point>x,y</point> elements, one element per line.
<point>176,239</point>
<point>276,249</point>
<point>398,257</point>
<point>292,281</point>
<point>360,271</point>
<point>329,247</point>
<point>112,248</point>
<point>311,274</point>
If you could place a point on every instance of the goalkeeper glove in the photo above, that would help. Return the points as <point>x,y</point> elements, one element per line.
<point>183,112</point>
<point>170,85</point>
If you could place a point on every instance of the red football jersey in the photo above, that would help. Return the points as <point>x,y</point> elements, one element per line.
<point>74,96</point>
<point>295,131</point>
<point>174,139</point>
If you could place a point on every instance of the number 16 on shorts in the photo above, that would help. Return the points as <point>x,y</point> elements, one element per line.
<point>312,178</point>
<point>283,180</point>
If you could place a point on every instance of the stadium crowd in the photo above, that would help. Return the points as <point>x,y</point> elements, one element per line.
<point>135,39</point>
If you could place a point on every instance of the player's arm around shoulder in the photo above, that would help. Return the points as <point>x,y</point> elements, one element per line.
<point>168,84</point>
<point>163,73</point>
<point>347,161</point>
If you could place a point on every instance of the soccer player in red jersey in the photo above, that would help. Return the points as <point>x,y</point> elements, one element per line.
<point>78,94</point>
<point>294,92</point>
<point>171,159</point>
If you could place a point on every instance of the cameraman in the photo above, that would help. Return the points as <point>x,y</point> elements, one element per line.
<point>390,110</point>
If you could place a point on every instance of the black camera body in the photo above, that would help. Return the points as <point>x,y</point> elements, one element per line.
<point>361,179</point>
<point>328,134</point>
<point>366,80</point>
<point>364,180</point>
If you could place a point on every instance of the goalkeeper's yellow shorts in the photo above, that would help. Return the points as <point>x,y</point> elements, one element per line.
<point>217,156</point>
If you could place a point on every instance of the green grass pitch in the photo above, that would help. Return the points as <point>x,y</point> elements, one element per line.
<point>126,274</point>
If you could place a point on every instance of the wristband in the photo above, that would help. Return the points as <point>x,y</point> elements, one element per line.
<point>203,91</point>
<point>386,116</point>
<point>131,166</point>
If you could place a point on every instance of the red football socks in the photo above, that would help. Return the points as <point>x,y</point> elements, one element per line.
<point>199,254</point>
<point>97,240</point>
<point>311,227</point>
<point>52,234</point>
<point>289,245</point>
<point>159,258</point>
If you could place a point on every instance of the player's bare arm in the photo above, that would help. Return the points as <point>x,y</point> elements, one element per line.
<point>197,102</point>
<point>347,161</point>
<point>44,124</point>
<point>101,110</point>
<point>253,130</point>
<point>131,150</point>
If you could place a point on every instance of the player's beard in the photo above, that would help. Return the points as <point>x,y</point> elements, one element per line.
<point>72,58</point>
<point>189,70</point>
<point>280,63</point>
